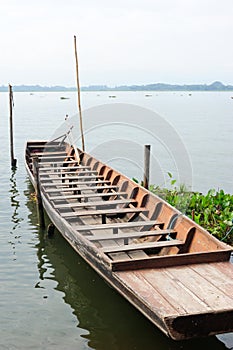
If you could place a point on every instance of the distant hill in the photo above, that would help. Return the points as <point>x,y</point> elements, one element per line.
<point>216,86</point>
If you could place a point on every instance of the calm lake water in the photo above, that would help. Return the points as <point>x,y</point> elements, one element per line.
<point>50,298</point>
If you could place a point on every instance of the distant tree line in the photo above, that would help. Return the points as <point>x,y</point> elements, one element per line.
<point>216,86</point>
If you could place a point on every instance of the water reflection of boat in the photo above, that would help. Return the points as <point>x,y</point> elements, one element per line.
<point>171,269</point>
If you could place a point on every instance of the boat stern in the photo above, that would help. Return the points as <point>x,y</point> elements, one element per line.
<point>199,325</point>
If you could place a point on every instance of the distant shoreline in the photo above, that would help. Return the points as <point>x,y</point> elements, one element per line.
<point>216,86</point>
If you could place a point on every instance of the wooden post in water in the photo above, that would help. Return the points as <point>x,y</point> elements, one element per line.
<point>79,98</point>
<point>40,209</point>
<point>11,103</point>
<point>146,166</point>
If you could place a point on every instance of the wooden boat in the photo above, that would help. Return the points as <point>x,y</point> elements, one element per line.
<point>171,269</point>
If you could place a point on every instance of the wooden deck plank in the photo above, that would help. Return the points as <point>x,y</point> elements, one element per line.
<point>202,288</point>
<point>226,269</point>
<point>221,279</point>
<point>134,234</point>
<point>145,245</point>
<point>101,203</point>
<point>118,225</point>
<point>87,195</point>
<point>118,255</point>
<point>134,254</point>
<point>182,299</point>
<point>143,289</point>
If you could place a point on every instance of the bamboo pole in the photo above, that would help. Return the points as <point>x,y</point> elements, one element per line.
<point>13,160</point>
<point>146,166</point>
<point>79,98</point>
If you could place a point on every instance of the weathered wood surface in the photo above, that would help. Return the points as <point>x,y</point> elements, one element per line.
<point>118,225</point>
<point>88,195</point>
<point>154,262</point>
<point>81,188</point>
<point>67,172</point>
<point>100,203</point>
<point>44,146</point>
<point>109,212</point>
<point>47,156</point>
<point>64,177</point>
<point>142,246</point>
<point>186,290</point>
<point>69,182</point>
<point>55,167</point>
<point>131,235</point>
<point>46,153</point>
<point>52,164</point>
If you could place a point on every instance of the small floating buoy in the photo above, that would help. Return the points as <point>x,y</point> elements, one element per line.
<point>50,230</point>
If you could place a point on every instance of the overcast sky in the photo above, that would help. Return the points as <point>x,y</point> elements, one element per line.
<point>119,42</point>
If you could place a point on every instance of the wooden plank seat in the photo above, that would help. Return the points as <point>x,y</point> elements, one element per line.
<point>131,235</point>
<point>76,188</point>
<point>54,156</point>
<point>87,195</point>
<point>64,176</point>
<point>162,261</point>
<point>99,204</point>
<point>104,213</point>
<point>45,154</point>
<point>45,145</point>
<point>160,257</point>
<point>70,183</point>
<point>80,173</point>
<point>63,167</point>
<point>119,225</point>
<point>142,246</point>
<point>41,165</point>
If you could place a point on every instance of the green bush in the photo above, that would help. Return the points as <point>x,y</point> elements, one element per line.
<point>213,211</point>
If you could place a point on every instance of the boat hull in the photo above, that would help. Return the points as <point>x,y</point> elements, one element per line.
<point>188,299</point>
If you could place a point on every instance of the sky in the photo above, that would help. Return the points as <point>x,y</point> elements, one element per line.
<point>120,42</point>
